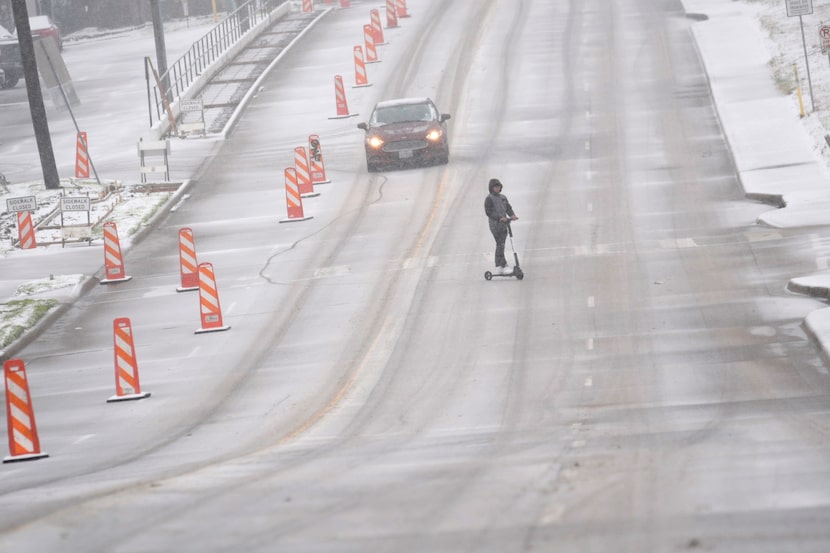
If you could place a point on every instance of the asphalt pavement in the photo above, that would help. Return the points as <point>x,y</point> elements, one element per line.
<point>772,151</point>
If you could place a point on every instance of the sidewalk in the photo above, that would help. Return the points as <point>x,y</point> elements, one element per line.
<point>772,150</point>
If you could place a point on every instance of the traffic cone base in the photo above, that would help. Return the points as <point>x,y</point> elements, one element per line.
<point>111,280</point>
<point>214,329</point>
<point>189,289</point>
<point>295,219</point>
<point>26,457</point>
<point>128,397</point>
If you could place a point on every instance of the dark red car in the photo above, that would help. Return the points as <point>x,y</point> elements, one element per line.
<point>406,132</point>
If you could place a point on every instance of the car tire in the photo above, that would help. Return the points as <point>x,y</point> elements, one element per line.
<point>371,167</point>
<point>10,82</point>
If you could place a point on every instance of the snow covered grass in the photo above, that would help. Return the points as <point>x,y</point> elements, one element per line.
<point>785,46</point>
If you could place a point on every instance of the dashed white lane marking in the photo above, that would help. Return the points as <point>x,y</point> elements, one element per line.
<point>589,382</point>
<point>83,438</point>
<point>589,344</point>
<point>591,301</point>
<point>587,145</point>
<point>590,208</point>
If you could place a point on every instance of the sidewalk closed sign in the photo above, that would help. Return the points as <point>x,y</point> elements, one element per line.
<point>799,7</point>
<point>23,203</point>
<point>74,203</point>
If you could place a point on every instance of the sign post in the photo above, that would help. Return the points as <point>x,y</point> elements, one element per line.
<point>801,8</point>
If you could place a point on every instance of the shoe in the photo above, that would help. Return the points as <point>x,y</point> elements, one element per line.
<point>506,270</point>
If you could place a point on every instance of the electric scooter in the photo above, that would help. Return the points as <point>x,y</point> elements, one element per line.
<point>517,271</point>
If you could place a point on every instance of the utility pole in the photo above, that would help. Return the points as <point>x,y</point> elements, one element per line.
<point>161,49</point>
<point>36,107</point>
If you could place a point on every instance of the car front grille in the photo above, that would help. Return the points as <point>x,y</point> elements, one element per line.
<point>404,145</point>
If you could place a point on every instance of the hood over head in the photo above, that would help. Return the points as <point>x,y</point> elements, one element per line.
<point>492,184</point>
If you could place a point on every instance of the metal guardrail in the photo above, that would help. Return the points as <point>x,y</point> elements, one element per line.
<point>204,52</point>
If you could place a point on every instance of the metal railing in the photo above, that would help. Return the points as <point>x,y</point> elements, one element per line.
<point>204,52</point>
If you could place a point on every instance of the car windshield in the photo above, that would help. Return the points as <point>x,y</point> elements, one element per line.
<point>402,113</point>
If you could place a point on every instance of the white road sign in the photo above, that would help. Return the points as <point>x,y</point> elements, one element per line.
<point>23,203</point>
<point>799,7</point>
<point>75,203</point>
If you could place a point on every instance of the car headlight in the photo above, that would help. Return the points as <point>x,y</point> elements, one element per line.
<point>374,142</point>
<point>434,134</point>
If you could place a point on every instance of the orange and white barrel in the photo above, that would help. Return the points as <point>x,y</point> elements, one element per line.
<point>316,163</point>
<point>340,99</point>
<point>81,157</point>
<point>369,39</point>
<point>209,308</point>
<point>26,230</point>
<point>293,200</point>
<point>402,9</point>
<point>127,385</point>
<point>374,17</point>
<point>188,266</point>
<point>24,443</point>
<point>308,6</point>
<point>361,79</point>
<point>391,14</point>
<point>303,173</point>
<point>113,260</point>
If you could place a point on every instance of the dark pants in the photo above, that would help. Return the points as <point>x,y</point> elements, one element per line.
<point>499,231</point>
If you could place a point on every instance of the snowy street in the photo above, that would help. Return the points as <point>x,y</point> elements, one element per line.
<point>650,384</point>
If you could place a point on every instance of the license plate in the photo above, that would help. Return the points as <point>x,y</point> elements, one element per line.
<point>405,154</point>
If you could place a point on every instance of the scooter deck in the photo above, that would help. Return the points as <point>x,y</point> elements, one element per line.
<point>516,272</point>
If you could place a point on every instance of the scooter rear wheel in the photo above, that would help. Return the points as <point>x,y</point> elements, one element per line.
<point>488,275</point>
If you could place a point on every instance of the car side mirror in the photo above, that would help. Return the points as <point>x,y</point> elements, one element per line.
<point>445,116</point>
<point>363,126</point>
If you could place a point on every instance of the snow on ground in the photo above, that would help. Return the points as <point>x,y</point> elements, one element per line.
<point>784,42</point>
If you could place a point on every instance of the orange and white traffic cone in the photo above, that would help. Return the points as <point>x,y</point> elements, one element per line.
<point>24,444</point>
<point>113,261</point>
<point>81,157</point>
<point>188,268</point>
<point>369,39</point>
<point>340,99</point>
<point>26,230</point>
<point>303,173</point>
<point>209,307</point>
<point>308,6</point>
<point>127,385</point>
<point>345,4</point>
<point>315,161</point>
<point>360,78</point>
<point>293,200</point>
<point>374,16</point>
<point>391,14</point>
<point>402,8</point>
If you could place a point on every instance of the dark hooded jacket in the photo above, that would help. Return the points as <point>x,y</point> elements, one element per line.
<point>496,206</point>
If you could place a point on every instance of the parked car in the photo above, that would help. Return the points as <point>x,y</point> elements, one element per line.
<point>406,132</point>
<point>43,27</point>
<point>11,66</point>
